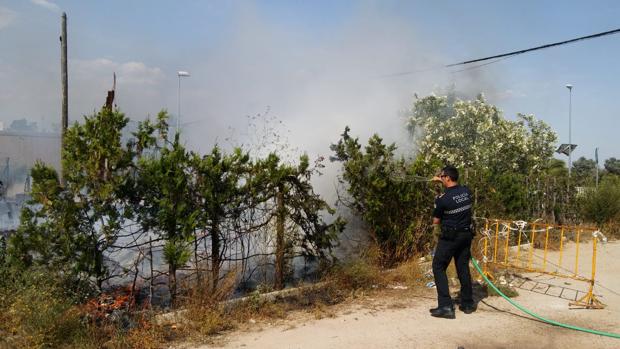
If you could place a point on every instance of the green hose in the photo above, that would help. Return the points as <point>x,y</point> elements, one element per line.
<point>520,307</point>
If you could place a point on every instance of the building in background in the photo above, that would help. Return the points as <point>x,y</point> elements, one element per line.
<point>20,149</point>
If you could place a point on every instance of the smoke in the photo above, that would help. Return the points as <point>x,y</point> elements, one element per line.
<point>316,81</point>
<point>7,17</point>
<point>47,5</point>
<point>317,87</point>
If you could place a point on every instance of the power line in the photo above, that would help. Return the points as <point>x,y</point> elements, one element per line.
<point>479,65</point>
<point>497,58</point>
<point>514,53</point>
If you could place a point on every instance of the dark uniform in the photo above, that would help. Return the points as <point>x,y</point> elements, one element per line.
<point>453,208</point>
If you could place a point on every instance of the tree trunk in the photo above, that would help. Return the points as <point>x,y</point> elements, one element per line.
<point>198,271</point>
<point>172,283</point>
<point>98,265</point>
<point>215,254</point>
<point>281,216</point>
<point>151,280</point>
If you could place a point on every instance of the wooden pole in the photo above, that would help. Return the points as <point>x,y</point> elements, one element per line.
<point>65,88</point>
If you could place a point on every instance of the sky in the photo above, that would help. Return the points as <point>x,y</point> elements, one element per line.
<point>316,66</point>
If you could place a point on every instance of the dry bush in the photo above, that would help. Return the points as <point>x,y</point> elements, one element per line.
<point>37,313</point>
<point>358,274</point>
<point>139,338</point>
<point>611,229</point>
<point>203,312</point>
<point>552,242</point>
<point>409,273</point>
<point>314,298</point>
<point>363,272</point>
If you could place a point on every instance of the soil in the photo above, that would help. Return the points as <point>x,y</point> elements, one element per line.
<point>397,318</point>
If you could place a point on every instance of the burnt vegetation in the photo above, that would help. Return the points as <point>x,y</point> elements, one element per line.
<point>186,232</point>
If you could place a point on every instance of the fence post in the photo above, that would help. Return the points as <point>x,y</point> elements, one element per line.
<point>496,239</point>
<point>561,246</point>
<point>546,243</point>
<point>486,243</point>
<point>531,252</point>
<point>577,252</point>
<point>506,245</point>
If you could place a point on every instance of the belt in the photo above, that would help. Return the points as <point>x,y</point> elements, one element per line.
<point>454,230</point>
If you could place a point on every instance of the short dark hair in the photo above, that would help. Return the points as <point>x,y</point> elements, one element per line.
<point>451,172</point>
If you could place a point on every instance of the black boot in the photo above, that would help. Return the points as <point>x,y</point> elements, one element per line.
<point>467,308</point>
<point>446,312</point>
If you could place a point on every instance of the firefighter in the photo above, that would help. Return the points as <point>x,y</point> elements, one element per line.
<point>452,224</point>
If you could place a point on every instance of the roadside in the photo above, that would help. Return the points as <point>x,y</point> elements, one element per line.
<point>397,318</point>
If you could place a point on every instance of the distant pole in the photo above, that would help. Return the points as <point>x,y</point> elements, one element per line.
<point>179,104</point>
<point>570,143</point>
<point>596,160</point>
<point>180,74</point>
<point>65,90</point>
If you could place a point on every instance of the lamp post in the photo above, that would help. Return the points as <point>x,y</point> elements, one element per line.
<point>180,74</point>
<point>570,143</point>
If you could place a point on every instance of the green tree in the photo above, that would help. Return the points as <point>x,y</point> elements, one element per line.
<point>223,189</point>
<point>387,194</point>
<point>612,165</point>
<point>584,171</point>
<point>297,210</point>
<point>166,204</point>
<point>603,204</point>
<point>71,227</point>
<point>557,168</point>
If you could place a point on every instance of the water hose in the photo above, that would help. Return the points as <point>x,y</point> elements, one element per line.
<point>520,307</point>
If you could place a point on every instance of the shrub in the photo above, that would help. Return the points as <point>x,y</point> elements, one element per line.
<point>37,312</point>
<point>603,205</point>
<point>358,274</point>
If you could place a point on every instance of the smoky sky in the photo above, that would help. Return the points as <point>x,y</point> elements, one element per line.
<point>314,85</point>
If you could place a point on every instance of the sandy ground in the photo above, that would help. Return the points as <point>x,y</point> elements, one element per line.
<point>400,318</point>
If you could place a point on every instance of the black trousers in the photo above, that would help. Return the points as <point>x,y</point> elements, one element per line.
<point>459,249</point>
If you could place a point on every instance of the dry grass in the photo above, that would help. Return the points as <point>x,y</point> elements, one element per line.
<point>203,313</point>
<point>611,229</point>
<point>36,313</point>
<point>409,274</point>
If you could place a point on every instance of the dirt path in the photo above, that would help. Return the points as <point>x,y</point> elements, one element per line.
<point>400,319</point>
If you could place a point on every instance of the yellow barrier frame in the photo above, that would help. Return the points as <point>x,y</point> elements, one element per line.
<point>492,246</point>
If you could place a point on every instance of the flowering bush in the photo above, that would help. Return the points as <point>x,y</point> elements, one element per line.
<point>506,162</point>
<point>475,135</point>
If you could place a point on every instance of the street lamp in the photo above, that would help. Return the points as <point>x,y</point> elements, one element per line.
<point>570,107</point>
<point>180,74</point>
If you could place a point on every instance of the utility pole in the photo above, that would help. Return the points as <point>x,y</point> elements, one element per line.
<point>65,91</point>
<point>570,142</point>
<point>596,160</point>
